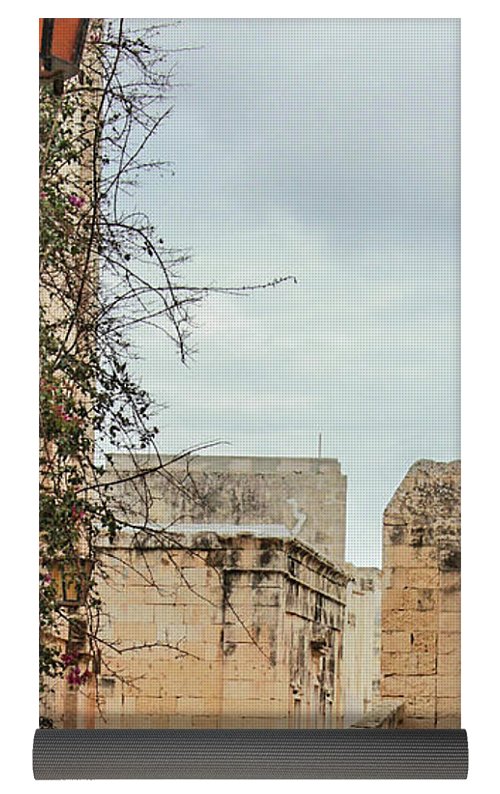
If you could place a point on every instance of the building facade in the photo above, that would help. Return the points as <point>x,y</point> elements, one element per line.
<point>217,626</point>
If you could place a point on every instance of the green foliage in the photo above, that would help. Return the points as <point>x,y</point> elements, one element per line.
<point>103,271</point>
<point>93,285</point>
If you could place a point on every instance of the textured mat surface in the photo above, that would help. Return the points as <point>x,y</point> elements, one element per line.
<point>342,754</point>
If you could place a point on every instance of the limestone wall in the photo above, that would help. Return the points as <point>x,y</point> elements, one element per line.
<point>236,631</point>
<point>305,494</point>
<point>421,598</point>
<point>361,656</point>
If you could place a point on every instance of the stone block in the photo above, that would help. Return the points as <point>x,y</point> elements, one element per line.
<point>127,633</point>
<point>249,598</point>
<point>424,641</point>
<point>394,620</point>
<point>127,721</point>
<point>268,690</point>
<point>247,660</point>
<point>197,706</point>
<point>391,663</point>
<point>153,705</point>
<point>201,613</point>
<point>256,579</point>
<point>410,557</point>
<point>448,686</point>
<point>451,721</point>
<point>409,620</point>
<point>182,722</point>
<point>182,559</point>
<point>449,642</point>
<point>449,622</point>
<point>448,707</point>
<point>395,535</point>
<point>448,664</point>
<point>421,685</point>
<point>424,663</point>
<point>264,708</point>
<point>393,686</point>
<point>133,612</point>
<point>423,578</point>
<point>262,558</point>
<point>170,664</point>
<point>256,619</point>
<point>205,721</point>
<point>400,579</point>
<point>195,577</point>
<point>395,641</point>
<point>395,599</point>
<point>387,577</point>
<point>234,634</point>
<point>419,722</point>
<point>450,581</point>
<point>423,600</point>
<point>420,706</point>
<point>160,721</point>
<point>450,601</point>
<point>181,686</point>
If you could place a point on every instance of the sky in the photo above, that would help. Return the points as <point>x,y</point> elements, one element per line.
<point>328,150</point>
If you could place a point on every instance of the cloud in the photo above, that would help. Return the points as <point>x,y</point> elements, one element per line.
<point>327,149</point>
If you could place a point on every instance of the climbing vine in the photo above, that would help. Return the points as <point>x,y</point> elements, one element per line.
<point>103,271</point>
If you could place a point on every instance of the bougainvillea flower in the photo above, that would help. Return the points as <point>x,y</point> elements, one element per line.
<point>76,201</point>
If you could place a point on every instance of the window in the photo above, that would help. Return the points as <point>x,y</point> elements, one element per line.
<point>318,608</point>
<point>71,582</point>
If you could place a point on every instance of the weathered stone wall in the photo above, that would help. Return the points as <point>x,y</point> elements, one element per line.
<point>313,637</point>
<point>305,494</point>
<point>253,625</point>
<point>361,656</point>
<point>421,598</point>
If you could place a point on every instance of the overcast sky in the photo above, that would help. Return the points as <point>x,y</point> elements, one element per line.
<point>326,149</point>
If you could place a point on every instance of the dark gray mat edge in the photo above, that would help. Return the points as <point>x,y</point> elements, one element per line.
<point>264,754</point>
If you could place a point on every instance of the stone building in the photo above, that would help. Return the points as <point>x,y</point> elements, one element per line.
<point>223,604</point>
<point>361,647</point>
<point>307,495</point>
<point>421,598</point>
<point>233,626</point>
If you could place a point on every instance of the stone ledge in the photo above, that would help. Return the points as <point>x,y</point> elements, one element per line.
<point>387,714</point>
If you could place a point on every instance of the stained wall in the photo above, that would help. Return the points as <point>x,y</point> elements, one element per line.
<point>421,598</point>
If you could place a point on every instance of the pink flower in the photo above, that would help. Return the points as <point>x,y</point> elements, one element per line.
<point>43,195</point>
<point>47,578</point>
<point>75,676</point>
<point>62,413</point>
<point>76,201</point>
<point>75,513</point>
<point>68,658</point>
